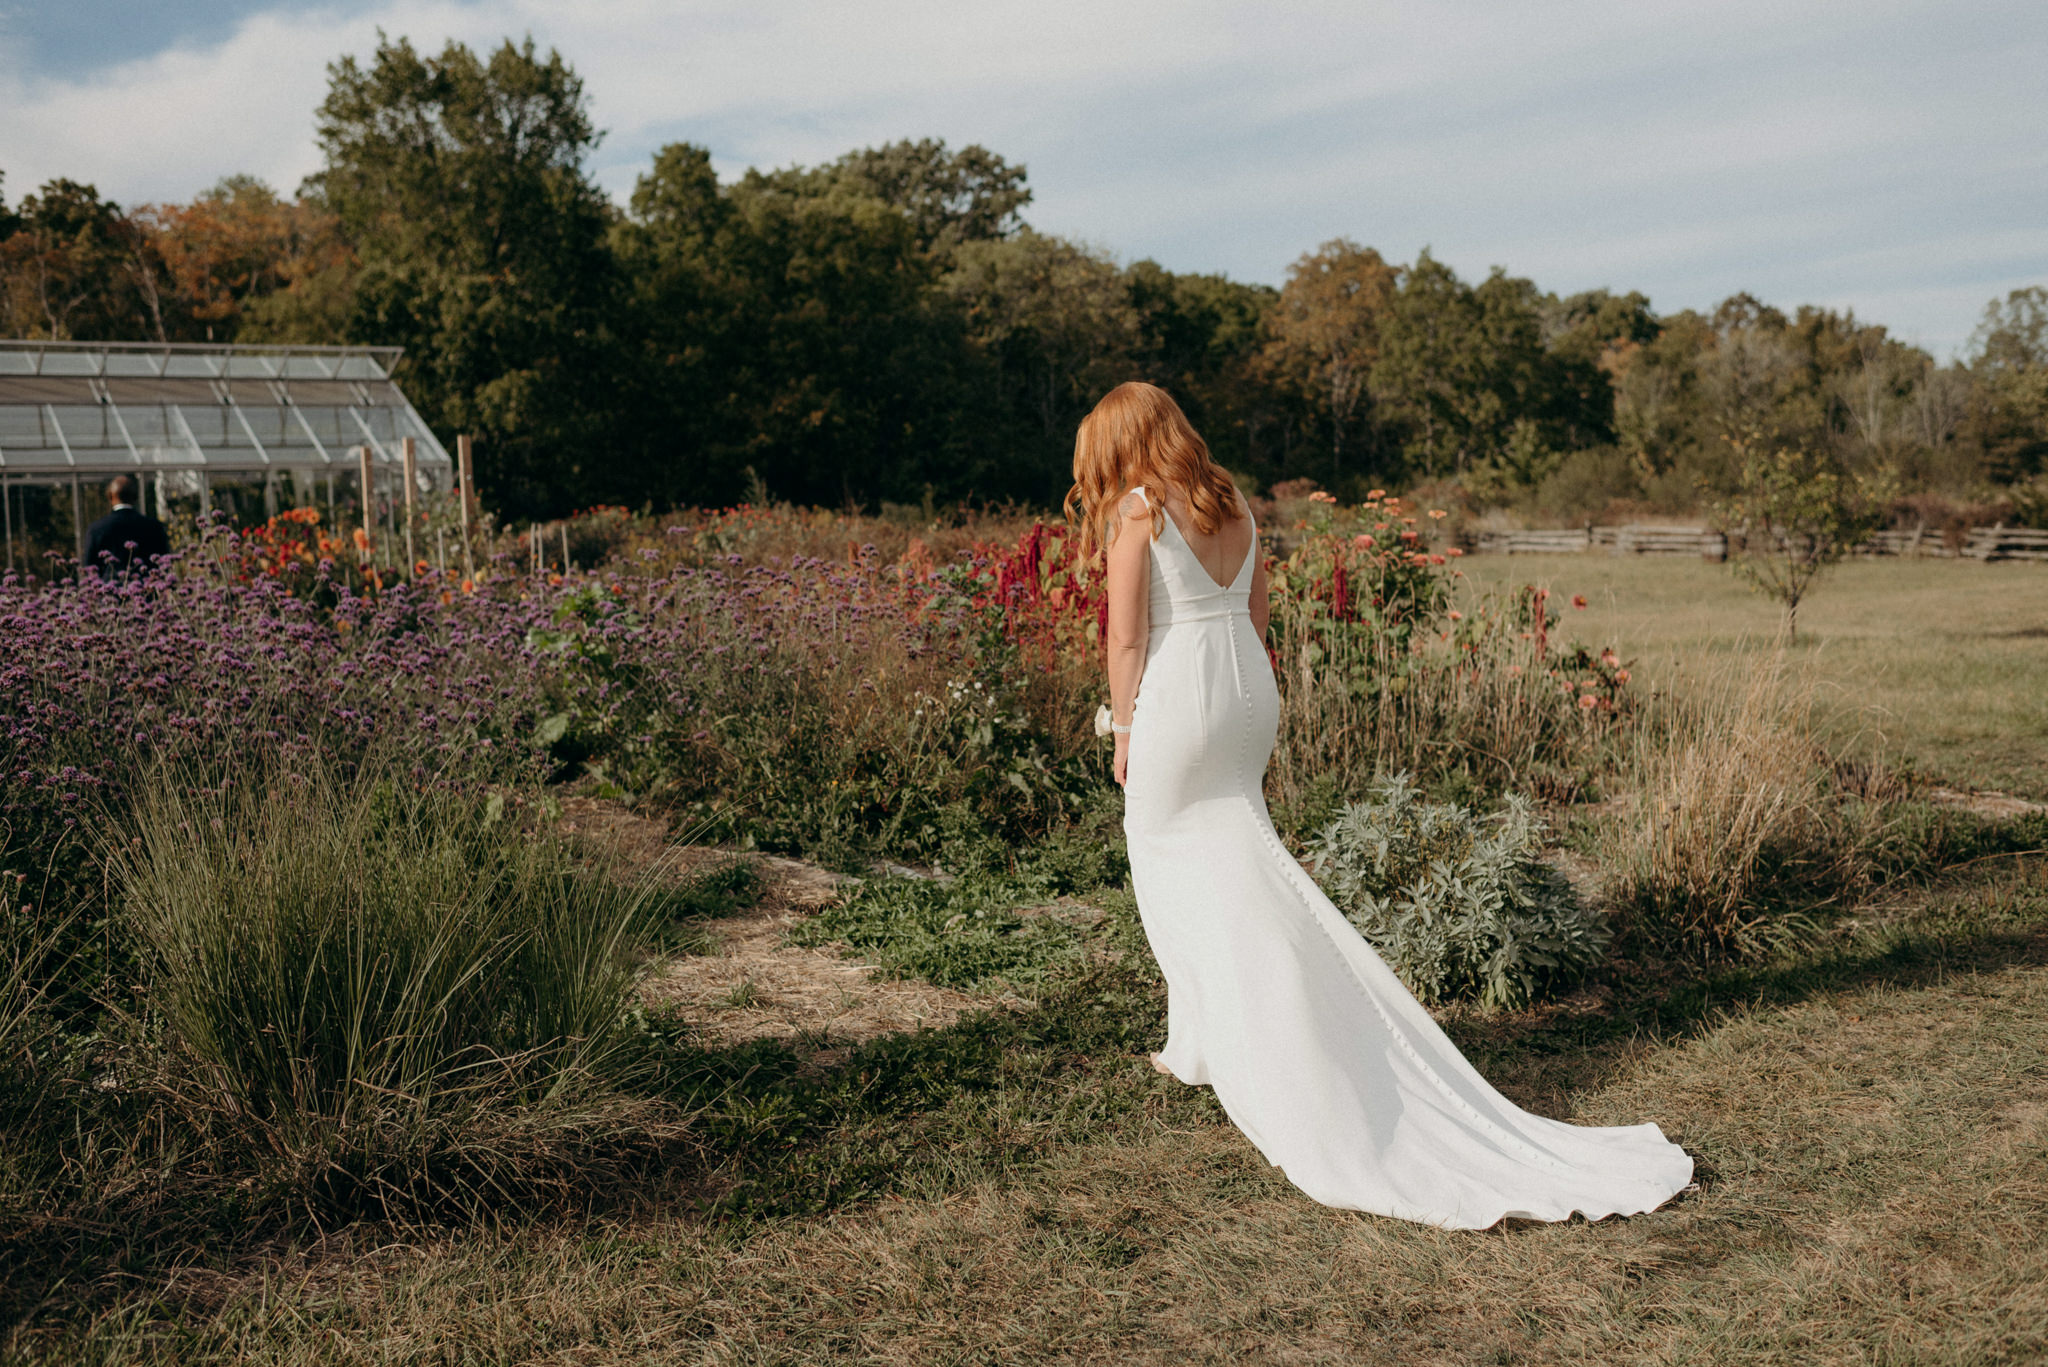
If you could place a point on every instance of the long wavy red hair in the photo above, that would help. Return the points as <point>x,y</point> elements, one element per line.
<point>1138,435</point>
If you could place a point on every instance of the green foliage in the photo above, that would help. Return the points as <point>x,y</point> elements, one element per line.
<point>1459,906</point>
<point>343,959</point>
<point>789,328</point>
<point>949,197</point>
<point>459,182</point>
<point>1327,330</point>
<point>963,933</point>
<point>676,915</point>
<point>1055,320</point>
<point>886,322</point>
<point>1793,514</point>
<point>963,928</point>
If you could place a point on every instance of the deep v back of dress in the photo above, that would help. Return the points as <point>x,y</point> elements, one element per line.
<point>1316,1050</point>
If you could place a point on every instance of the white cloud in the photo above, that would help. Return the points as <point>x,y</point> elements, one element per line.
<point>1860,152</point>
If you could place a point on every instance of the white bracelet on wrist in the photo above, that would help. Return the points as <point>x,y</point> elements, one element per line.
<point>1120,730</point>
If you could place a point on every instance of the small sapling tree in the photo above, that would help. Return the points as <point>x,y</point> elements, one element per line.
<point>1794,512</point>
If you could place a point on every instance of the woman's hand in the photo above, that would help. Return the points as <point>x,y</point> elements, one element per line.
<point>1123,757</point>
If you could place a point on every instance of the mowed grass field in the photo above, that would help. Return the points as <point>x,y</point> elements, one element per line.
<point>1871,1128</point>
<point>1944,662</point>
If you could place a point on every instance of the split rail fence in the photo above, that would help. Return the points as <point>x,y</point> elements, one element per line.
<point>1643,538</point>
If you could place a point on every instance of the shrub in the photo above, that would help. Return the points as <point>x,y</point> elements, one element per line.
<point>1460,906</point>
<point>356,975</point>
<point>1381,669</point>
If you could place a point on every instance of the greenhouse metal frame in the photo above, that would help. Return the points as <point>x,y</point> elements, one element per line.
<point>182,416</point>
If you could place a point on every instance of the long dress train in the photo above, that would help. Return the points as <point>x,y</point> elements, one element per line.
<point>1315,1049</point>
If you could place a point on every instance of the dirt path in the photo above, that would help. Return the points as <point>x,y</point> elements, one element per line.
<point>1996,806</point>
<point>753,986</point>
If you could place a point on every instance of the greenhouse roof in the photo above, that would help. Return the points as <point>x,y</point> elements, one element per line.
<point>96,408</point>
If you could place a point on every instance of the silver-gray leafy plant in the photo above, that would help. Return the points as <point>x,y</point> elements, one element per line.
<point>1459,905</point>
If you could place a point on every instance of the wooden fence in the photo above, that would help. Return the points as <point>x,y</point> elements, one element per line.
<point>2007,543</point>
<point>1647,538</point>
<point>1635,538</point>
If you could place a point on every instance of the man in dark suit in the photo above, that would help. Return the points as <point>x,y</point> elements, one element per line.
<point>126,540</point>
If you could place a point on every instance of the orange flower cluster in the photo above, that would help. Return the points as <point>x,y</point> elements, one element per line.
<point>286,545</point>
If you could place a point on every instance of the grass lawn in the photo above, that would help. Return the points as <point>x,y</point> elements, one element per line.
<point>1869,1113</point>
<point>1871,1125</point>
<point>1944,662</point>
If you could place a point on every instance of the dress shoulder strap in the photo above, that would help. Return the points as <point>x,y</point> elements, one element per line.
<point>1139,490</point>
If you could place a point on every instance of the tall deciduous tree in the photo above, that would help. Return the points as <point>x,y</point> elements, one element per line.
<point>1202,337</point>
<point>971,195</point>
<point>2008,417</point>
<point>1464,373</point>
<point>236,247</point>
<point>1055,322</point>
<point>1327,336</point>
<point>794,331</point>
<point>73,266</point>
<point>460,184</point>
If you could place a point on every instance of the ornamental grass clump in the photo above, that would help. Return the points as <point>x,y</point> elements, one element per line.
<point>1460,906</point>
<point>1729,833</point>
<point>368,988</point>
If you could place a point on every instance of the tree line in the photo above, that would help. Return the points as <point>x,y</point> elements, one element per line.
<point>888,327</point>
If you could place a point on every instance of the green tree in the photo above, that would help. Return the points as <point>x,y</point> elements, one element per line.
<point>795,332</point>
<point>1464,376</point>
<point>1793,513</point>
<point>1585,336</point>
<point>1055,322</point>
<point>971,195</point>
<point>2007,414</point>
<point>1327,337</point>
<point>459,182</point>
<point>1202,338</point>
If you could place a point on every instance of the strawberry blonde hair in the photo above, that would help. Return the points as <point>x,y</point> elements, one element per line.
<point>1138,435</point>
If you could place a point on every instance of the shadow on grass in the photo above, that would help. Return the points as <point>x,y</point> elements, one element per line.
<point>1541,1056</point>
<point>764,1133</point>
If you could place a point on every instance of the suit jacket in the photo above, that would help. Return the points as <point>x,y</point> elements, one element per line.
<point>111,535</point>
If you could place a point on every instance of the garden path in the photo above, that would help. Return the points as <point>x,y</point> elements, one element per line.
<point>752,985</point>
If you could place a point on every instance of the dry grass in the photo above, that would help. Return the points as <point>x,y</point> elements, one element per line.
<point>1938,662</point>
<point>1495,720</point>
<point>1725,781</point>
<point>1873,1140</point>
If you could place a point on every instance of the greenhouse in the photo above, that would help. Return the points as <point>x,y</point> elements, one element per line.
<point>245,430</point>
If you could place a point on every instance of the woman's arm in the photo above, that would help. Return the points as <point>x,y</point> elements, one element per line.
<point>1262,595</point>
<point>1262,590</point>
<point>1129,591</point>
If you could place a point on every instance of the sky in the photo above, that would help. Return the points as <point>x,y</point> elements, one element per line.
<point>1885,156</point>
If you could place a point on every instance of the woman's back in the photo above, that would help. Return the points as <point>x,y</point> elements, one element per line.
<point>1221,552</point>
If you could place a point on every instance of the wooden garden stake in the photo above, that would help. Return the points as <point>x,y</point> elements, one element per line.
<point>466,476</point>
<point>565,546</point>
<point>369,475</point>
<point>411,474</point>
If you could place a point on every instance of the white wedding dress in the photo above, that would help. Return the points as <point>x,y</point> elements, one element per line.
<point>1317,1052</point>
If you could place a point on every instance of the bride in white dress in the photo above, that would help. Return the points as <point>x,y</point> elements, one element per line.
<point>1316,1051</point>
